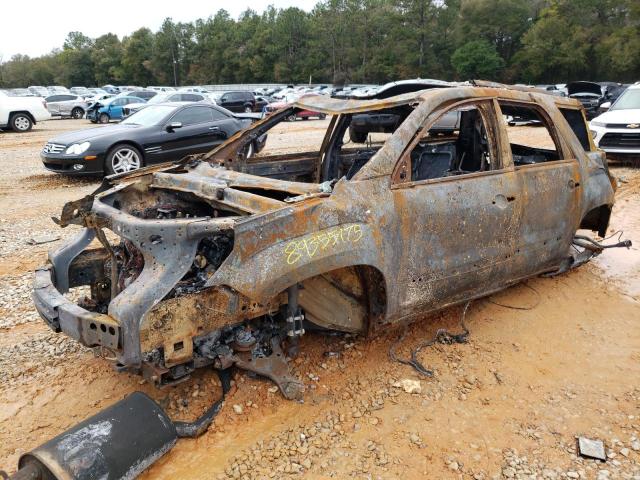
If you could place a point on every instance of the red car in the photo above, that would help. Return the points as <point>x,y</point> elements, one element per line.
<point>304,114</point>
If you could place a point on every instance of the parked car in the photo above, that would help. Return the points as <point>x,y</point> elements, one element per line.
<point>388,120</point>
<point>194,89</point>
<point>590,94</point>
<point>97,91</point>
<point>617,131</point>
<point>237,101</point>
<point>158,133</point>
<point>261,102</point>
<point>81,91</point>
<point>145,95</point>
<point>22,92</point>
<point>223,261</point>
<point>167,97</point>
<point>98,98</point>
<point>288,100</point>
<point>66,105</point>
<point>111,89</point>
<point>20,114</point>
<point>110,109</point>
<point>612,90</point>
<point>162,89</point>
<point>57,89</point>
<point>39,91</point>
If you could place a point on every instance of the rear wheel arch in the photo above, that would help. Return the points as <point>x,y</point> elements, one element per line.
<point>21,112</point>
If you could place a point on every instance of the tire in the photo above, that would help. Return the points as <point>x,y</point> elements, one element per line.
<point>322,116</point>
<point>291,118</point>
<point>20,122</point>
<point>104,118</point>
<point>248,109</point>
<point>356,136</point>
<point>123,158</point>
<point>77,113</point>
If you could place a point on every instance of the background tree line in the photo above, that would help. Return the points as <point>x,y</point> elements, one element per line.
<point>358,41</point>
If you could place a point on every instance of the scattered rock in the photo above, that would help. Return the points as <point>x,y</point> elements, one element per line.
<point>409,386</point>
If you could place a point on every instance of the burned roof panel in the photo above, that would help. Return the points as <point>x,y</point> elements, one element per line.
<point>333,106</point>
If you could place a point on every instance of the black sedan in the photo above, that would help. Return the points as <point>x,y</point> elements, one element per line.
<point>156,134</point>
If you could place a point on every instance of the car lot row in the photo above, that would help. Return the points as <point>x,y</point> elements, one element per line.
<point>170,125</point>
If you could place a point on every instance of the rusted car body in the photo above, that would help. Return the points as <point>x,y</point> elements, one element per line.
<point>219,258</point>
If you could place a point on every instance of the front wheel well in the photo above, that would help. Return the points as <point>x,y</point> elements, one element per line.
<point>350,299</point>
<point>597,219</point>
<point>120,144</point>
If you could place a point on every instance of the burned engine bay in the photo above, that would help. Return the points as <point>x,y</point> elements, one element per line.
<point>161,245</point>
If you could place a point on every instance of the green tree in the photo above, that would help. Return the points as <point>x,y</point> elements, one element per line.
<point>477,59</point>
<point>136,58</point>
<point>107,58</point>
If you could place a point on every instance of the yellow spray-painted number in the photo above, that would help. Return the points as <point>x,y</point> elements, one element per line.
<point>320,242</point>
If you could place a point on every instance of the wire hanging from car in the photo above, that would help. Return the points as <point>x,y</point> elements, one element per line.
<point>517,307</point>
<point>442,336</point>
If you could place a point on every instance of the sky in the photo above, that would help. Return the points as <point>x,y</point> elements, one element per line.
<point>41,25</point>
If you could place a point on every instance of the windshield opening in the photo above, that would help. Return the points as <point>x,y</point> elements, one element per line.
<point>148,116</point>
<point>630,99</point>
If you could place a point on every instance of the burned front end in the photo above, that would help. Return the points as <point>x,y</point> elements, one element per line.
<point>150,245</point>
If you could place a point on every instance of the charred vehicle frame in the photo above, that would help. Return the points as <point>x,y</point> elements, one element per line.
<point>218,259</point>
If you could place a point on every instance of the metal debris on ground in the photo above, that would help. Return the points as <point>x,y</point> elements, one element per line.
<point>40,239</point>
<point>589,448</point>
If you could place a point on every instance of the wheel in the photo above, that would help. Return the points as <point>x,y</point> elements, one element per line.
<point>104,118</point>
<point>249,150</point>
<point>248,109</point>
<point>20,122</point>
<point>322,116</point>
<point>77,113</point>
<point>356,136</point>
<point>122,159</point>
<point>291,118</point>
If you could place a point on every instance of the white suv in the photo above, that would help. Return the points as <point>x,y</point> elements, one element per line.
<point>21,113</point>
<point>617,131</point>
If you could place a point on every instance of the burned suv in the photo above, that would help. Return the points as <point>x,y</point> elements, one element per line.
<point>224,260</point>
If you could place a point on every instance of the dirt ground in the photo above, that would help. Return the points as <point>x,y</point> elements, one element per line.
<point>507,404</point>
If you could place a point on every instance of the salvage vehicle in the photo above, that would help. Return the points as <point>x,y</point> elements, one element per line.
<point>617,131</point>
<point>66,105</point>
<point>110,109</point>
<point>590,94</point>
<point>20,114</point>
<point>222,260</point>
<point>158,133</point>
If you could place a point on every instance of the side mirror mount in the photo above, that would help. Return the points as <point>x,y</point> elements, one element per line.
<point>173,126</point>
<point>605,106</point>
